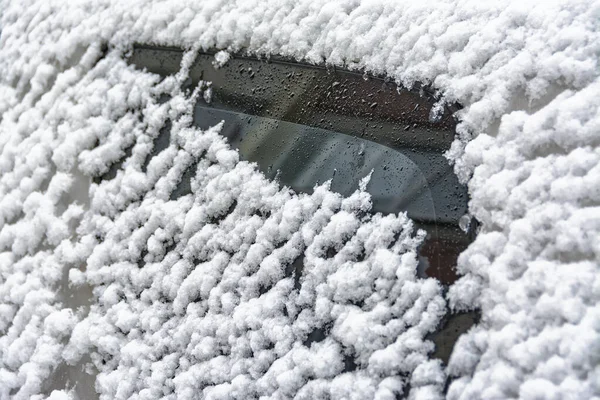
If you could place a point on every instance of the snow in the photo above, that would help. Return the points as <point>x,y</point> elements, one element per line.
<point>197,296</point>
<point>221,58</point>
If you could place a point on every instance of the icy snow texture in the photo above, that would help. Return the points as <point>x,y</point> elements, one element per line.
<point>192,296</point>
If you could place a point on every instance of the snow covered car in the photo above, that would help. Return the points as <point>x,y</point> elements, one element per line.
<point>345,200</point>
<point>304,125</point>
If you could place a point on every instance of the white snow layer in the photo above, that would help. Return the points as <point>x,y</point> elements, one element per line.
<point>197,297</point>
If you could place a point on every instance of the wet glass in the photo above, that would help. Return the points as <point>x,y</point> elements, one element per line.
<point>304,124</point>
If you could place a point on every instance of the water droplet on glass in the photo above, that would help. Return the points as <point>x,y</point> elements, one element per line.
<point>362,149</point>
<point>464,223</point>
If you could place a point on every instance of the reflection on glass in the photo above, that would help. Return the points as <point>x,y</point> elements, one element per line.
<point>302,156</point>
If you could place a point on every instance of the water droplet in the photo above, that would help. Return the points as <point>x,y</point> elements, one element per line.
<point>464,223</point>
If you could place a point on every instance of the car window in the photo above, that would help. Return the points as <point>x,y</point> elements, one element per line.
<point>304,124</point>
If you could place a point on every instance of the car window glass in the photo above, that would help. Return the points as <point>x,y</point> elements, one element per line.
<point>303,125</point>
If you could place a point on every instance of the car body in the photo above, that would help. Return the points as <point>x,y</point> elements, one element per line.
<point>186,210</point>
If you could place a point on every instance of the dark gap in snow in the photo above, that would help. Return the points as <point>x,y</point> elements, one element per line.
<point>76,376</point>
<point>360,303</point>
<point>163,61</point>
<point>269,346</point>
<point>78,193</point>
<point>362,215</point>
<point>264,214</point>
<point>104,48</point>
<point>361,256</point>
<point>51,172</point>
<point>187,85</point>
<point>349,363</point>
<point>140,261</point>
<point>104,358</point>
<point>231,209</point>
<point>264,288</point>
<point>330,252</point>
<point>99,236</point>
<point>114,168</point>
<point>49,84</point>
<point>161,142</point>
<point>422,266</point>
<point>170,247</point>
<point>163,98</point>
<point>196,298</point>
<point>403,232</point>
<point>217,218</point>
<point>451,327</point>
<point>289,269</point>
<point>439,252</point>
<point>96,143</point>
<point>335,248</point>
<point>260,213</point>
<point>279,242</point>
<point>78,298</point>
<point>405,390</point>
<point>184,187</point>
<point>197,259</point>
<point>23,89</point>
<point>317,335</point>
<point>12,309</point>
<point>14,217</point>
<point>295,269</point>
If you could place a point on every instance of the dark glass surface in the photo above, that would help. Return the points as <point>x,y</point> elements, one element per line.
<point>300,156</point>
<point>306,124</point>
